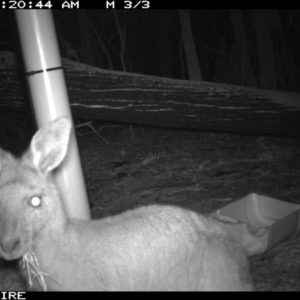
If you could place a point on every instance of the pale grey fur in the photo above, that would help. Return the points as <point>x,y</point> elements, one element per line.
<point>150,248</point>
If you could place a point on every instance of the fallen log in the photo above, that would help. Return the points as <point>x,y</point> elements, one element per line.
<point>100,94</point>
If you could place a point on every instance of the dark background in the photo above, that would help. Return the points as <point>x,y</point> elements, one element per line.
<point>151,42</point>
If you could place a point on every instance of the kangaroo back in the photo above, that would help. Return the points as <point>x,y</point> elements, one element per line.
<point>149,248</point>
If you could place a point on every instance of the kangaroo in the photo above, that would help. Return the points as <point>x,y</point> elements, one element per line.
<point>151,248</point>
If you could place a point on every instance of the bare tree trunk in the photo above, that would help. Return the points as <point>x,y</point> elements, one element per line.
<point>227,70</point>
<point>164,53</point>
<point>246,75</point>
<point>189,46</point>
<point>265,49</point>
<point>85,38</point>
<point>122,36</point>
<point>285,65</point>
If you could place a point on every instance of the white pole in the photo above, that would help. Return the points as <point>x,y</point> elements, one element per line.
<point>46,81</point>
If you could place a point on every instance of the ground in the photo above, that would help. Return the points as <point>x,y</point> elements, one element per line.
<point>126,166</point>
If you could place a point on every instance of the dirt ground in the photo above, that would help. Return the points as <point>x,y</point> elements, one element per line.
<point>126,166</point>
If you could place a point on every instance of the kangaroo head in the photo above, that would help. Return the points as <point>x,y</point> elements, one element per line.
<point>29,200</point>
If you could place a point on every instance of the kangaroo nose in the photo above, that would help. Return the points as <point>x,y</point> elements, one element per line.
<point>9,245</point>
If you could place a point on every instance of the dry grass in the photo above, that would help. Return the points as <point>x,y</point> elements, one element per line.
<point>31,264</point>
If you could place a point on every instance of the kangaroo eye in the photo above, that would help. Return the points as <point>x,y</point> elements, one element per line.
<point>35,201</point>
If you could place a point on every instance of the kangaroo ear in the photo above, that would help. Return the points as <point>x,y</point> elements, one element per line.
<point>49,145</point>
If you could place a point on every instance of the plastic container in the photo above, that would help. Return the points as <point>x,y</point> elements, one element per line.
<point>259,223</point>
